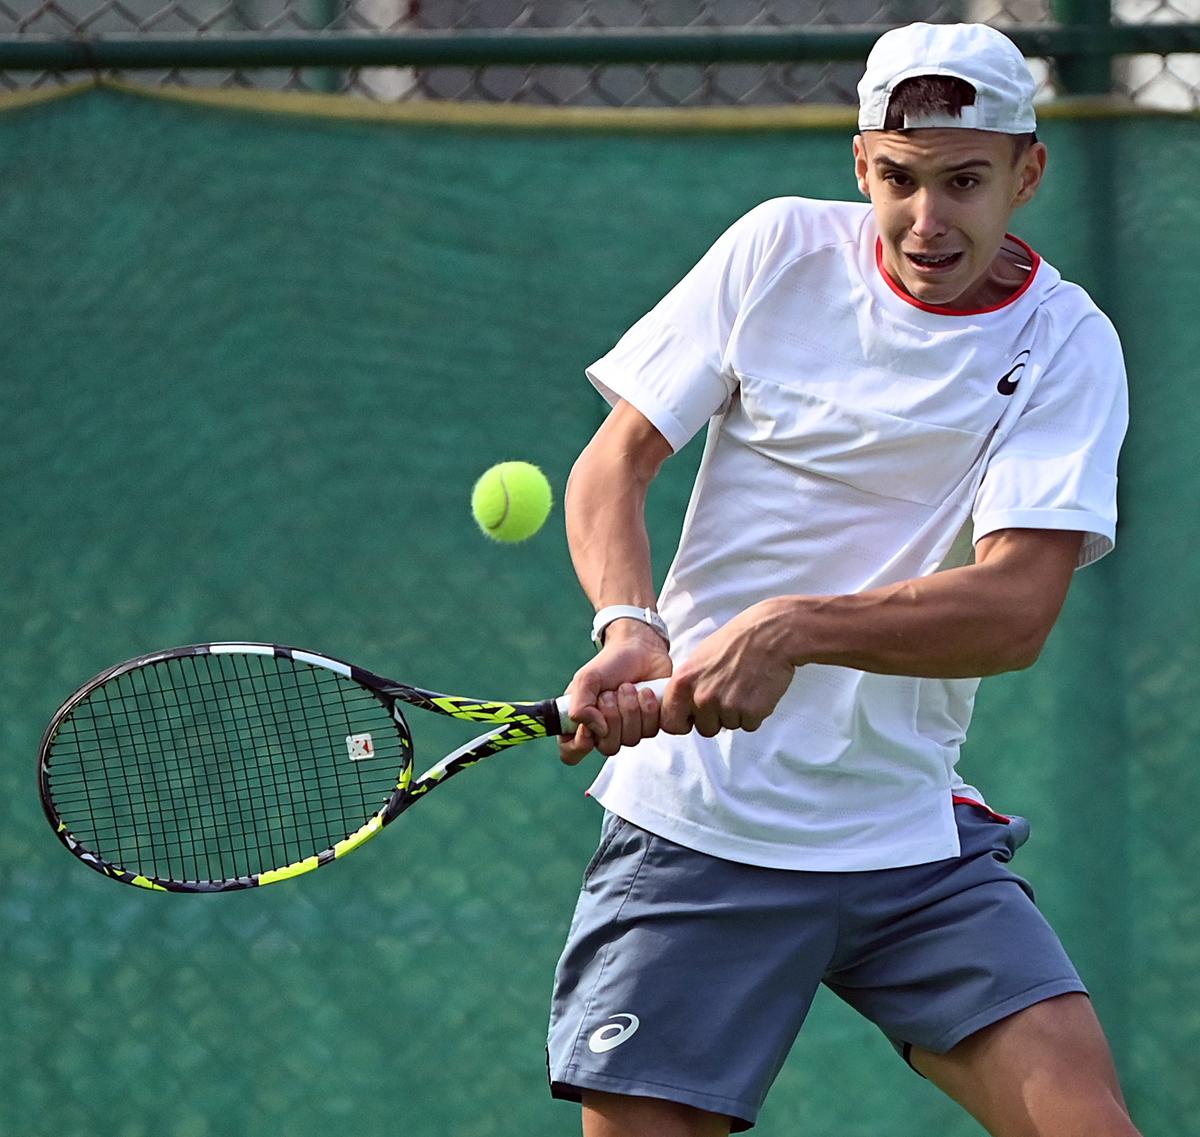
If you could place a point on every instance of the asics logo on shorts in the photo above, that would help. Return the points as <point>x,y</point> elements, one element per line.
<point>619,1028</point>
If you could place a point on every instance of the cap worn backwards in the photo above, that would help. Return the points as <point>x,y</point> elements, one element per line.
<point>981,56</point>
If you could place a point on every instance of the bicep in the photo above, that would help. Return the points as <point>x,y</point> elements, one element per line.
<point>1033,569</point>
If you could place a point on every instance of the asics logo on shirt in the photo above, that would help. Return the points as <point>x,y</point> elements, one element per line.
<point>1010,379</point>
<point>619,1028</point>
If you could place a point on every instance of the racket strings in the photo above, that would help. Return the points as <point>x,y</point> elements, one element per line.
<point>224,791</point>
<point>185,799</point>
<point>216,767</point>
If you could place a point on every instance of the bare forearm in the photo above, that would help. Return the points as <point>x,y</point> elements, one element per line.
<point>606,533</point>
<point>978,620</point>
<point>941,627</point>
<point>605,511</point>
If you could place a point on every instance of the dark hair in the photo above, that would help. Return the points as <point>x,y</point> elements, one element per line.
<point>938,94</point>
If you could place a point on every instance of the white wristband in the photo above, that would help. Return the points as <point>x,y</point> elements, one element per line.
<point>627,612</point>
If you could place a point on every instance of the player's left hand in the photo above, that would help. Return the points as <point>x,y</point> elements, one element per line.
<point>734,679</point>
<point>610,710</point>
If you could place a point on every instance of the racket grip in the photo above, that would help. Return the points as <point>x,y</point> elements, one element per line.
<point>567,724</point>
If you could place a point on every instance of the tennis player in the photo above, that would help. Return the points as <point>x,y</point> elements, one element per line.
<point>913,427</point>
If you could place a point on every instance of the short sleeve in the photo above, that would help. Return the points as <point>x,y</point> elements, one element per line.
<point>671,364</point>
<point>1057,467</point>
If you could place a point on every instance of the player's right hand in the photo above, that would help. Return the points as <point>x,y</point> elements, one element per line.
<point>610,710</point>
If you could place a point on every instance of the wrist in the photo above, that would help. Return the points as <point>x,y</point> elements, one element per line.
<point>628,620</point>
<point>782,630</point>
<point>633,633</point>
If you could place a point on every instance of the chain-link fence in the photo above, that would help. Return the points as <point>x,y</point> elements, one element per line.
<point>1167,80</point>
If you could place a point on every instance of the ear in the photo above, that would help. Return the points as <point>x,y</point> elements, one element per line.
<point>1030,171</point>
<point>860,165</point>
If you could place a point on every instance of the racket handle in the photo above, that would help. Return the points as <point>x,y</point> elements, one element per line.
<point>568,724</point>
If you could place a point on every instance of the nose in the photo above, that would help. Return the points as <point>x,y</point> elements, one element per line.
<point>928,222</point>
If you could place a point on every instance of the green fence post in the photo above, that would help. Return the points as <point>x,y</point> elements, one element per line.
<point>1090,73</point>
<point>325,14</point>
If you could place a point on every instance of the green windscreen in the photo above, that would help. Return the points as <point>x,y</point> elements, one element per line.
<point>251,365</point>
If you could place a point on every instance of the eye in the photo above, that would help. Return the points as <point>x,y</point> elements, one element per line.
<point>896,178</point>
<point>965,182</point>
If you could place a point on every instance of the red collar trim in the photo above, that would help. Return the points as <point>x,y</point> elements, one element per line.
<point>1035,264</point>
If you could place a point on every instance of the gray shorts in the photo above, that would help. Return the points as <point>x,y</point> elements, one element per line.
<point>687,977</point>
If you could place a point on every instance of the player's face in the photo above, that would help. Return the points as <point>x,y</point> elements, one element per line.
<point>942,200</point>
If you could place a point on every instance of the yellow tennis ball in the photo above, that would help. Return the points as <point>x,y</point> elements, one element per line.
<point>511,501</point>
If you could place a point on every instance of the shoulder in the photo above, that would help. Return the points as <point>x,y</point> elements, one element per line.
<point>783,232</point>
<point>801,221</point>
<point>1070,315</point>
<point>1080,352</point>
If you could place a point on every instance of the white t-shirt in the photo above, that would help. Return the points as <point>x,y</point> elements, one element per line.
<point>855,438</point>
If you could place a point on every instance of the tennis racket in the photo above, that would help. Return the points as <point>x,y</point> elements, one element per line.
<point>226,766</point>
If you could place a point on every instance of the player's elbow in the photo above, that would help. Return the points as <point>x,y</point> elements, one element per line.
<point>1024,640</point>
<point>1026,654</point>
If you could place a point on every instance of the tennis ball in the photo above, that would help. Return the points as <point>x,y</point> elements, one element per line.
<point>511,501</point>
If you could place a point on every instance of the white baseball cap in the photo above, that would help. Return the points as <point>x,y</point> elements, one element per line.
<point>981,56</point>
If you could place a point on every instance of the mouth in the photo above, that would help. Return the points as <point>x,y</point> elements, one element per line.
<point>929,264</point>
